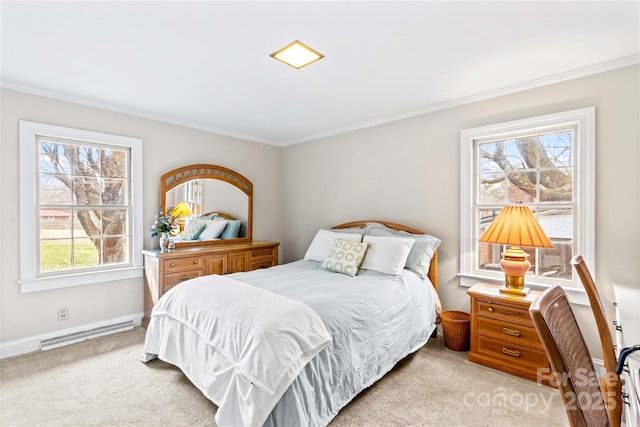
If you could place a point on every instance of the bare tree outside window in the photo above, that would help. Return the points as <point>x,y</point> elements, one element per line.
<point>83,201</point>
<point>536,170</point>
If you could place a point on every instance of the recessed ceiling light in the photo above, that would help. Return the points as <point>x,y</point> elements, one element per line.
<point>297,55</point>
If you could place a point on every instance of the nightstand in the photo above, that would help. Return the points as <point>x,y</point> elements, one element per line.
<point>502,334</point>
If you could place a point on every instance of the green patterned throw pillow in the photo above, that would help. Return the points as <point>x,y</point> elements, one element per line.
<point>345,257</point>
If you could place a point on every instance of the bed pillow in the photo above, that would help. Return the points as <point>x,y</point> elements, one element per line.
<point>387,254</point>
<point>232,229</point>
<point>345,257</point>
<point>323,241</point>
<point>422,251</point>
<point>213,229</point>
<point>193,229</point>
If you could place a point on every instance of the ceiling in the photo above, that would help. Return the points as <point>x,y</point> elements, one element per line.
<point>206,64</point>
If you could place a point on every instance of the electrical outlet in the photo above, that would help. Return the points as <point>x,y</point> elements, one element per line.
<point>63,313</point>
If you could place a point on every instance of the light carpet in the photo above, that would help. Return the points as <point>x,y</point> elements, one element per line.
<point>102,382</point>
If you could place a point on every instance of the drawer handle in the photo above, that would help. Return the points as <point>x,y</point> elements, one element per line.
<point>509,352</point>
<point>512,332</point>
<point>195,261</point>
<point>183,278</point>
<point>490,309</point>
<point>173,264</point>
<point>255,254</point>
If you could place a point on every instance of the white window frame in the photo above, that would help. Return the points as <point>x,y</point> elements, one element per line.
<point>584,203</point>
<point>29,217</point>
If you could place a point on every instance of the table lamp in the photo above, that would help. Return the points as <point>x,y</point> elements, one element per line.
<point>180,212</point>
<point>515,225</point>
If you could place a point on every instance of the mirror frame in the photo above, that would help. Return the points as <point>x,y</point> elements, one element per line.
<point>184,174</point>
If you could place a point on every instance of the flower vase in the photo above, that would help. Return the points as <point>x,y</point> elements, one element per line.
<point>164,241</point>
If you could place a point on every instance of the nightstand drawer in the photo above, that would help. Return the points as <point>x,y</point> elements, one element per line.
<point>512,352</point>
<point>507,331</point>
<point>504,312</point>
<point>179,264</point>
<point>174,278</point>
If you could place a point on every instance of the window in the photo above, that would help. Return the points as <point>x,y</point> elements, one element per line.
<point>545,163</point>
<point>78,191</point>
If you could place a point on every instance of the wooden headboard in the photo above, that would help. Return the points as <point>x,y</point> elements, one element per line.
<point>433,268</point>
<point>220,215</point>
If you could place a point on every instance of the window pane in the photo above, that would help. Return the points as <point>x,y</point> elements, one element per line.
<point>87,161</point>
<point>114,222</point>
<point>556,149</point>
<point>493,188</point>
<point>55,255</point>
<point>86,252</point>
<point>115,250</point>
<point>556,261</point>
<point>490,156</point>
<point>556,185</point>
<point>522,153</point>
<point>55,224</point>
<point>53,190</point>
<point>87,223</point>
<point>490,256</point>
<point>557,223</point>
<point>114,191</point>
<point>87,190</point>
<point>55,158</point>
<point>521,187</point>
<point>114,163</point>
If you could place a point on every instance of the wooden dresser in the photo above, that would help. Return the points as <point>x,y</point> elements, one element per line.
<point>502,334</point>
<point>163,270</point>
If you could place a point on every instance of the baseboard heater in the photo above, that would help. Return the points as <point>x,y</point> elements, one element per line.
<point>49,343</point>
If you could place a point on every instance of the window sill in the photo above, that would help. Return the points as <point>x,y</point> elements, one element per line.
<point>575,295</point>
<point>78,279</point>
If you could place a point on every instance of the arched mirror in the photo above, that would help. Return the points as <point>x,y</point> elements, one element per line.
<point>210,190</point>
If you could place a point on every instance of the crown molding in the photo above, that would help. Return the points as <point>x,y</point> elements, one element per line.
<point>545,81</point>
<point>532,84</point>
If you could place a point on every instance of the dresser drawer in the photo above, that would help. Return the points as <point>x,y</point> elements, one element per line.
<point>261,253</point>
<point>511,352</point>
<point>504,312</point>
<point>172,279</point>
<point>507,331</point>
<point>258,264</point>
<point>181,264</point>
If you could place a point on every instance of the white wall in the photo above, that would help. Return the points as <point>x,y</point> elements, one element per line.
<point>408,171</point>
<point>166,147</point>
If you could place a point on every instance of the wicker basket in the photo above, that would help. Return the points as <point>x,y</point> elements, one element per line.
<point>456,329</point>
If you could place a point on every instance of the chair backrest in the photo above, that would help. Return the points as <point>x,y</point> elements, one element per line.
<point>569,357</point>
<point>612,385</point>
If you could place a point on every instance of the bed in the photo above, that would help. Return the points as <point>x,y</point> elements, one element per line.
<point>293,344</point>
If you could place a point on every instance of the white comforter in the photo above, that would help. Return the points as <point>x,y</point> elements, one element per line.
<point>234,326</point>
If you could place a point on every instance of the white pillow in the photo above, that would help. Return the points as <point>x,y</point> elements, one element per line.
<point>386,254</point>
<point>213,230</point>
<point>323,243</point>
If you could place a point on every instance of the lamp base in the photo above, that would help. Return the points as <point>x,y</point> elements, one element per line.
<point>521,292</point>
<point>515,265</point>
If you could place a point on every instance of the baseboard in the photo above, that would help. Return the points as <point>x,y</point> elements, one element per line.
<point>34,343</point>
<point>598,365</point>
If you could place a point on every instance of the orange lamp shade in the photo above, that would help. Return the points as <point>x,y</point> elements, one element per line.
<point>517,226</point>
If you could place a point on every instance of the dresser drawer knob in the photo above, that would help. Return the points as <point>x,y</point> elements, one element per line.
<point>509,352</point>
<point>255,254</point>
<point>512,332</point>
<point>173,264</point>
<point>490,309</point>
<point>195,261</point>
